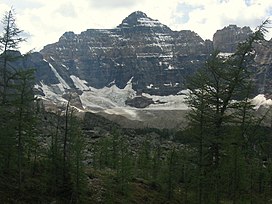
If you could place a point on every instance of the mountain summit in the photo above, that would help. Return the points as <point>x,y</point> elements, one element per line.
<point>140,19</point>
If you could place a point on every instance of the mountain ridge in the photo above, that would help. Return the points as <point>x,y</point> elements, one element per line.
<point>140,57</point>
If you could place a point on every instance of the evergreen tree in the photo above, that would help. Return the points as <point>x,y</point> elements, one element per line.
<point>125,166</point>
<point>219,94</point>
<point>9,40</point>
<point>144,160</point>
<point>24,117</point>
<point>77,166</point>
<point>16,98</point>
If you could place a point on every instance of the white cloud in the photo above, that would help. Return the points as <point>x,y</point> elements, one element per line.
<point>3,8</point>
<point>212,15</point>
<point>46,21</point>
<point>113,3</point>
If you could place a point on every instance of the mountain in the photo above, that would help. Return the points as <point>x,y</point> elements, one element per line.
<point>140,63</point>
<point>158,59</point>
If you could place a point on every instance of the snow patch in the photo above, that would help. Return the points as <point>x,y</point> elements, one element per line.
<point>149,23</point>
<point>65,66</point>
<point>225,54</point>
<point>107,97</point>
<point>170,67</point>
<point>150,86</point>
<point>61,80</point>
<point>52,92</point>
<point>111,83</point>
<point>79,83</point>
<point>112,100</point>
<point>260,100</point>
<point>168,84</point>
<point>176,84</point>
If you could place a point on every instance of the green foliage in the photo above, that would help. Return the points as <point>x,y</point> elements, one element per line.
<point>32,169</point>
<point>144,160</point>
<point>221,123</point>
<point>17,110</point>
<point>66,179</point>
<point>11,33</point>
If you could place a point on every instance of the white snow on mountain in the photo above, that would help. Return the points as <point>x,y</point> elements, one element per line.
<point>67,68</point>
<point>61,80</point>
<point>52,92</point>
<point>170,67</point>
<point>149,22</point>
<point>171,102</point>
<point>260,100</point>
<point>107,97</point>
<point>80,84</point>
<point>112,100</point>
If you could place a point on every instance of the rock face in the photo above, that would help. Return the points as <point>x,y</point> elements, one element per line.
<point>264,72</point>
<point>227,39</point>
<point>139,102</point>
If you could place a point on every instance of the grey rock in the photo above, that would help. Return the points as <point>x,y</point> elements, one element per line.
<point>227,39</point>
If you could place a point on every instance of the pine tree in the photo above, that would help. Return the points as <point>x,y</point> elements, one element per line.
<point>219,93</point>
<point>125,165</point>
<point>18,135</point>
<point>77,146</point>
<point>24,116</point>
<point>9,40</point>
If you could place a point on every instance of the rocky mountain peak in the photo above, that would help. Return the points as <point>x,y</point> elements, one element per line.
<point>137,14</point>
<point>139,19</point>
<point>227,39</point>
<point>68,35</point>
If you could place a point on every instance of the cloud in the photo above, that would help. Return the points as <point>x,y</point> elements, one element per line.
<point>206,18</point>
<point>185,10</point>
<point>3,8</point>
<point>67,10</point>
<point>114,4</point>
<point>47,23</point>
<point>22,4</point>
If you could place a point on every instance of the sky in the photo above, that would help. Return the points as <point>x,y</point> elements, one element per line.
<point>44,21</point>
